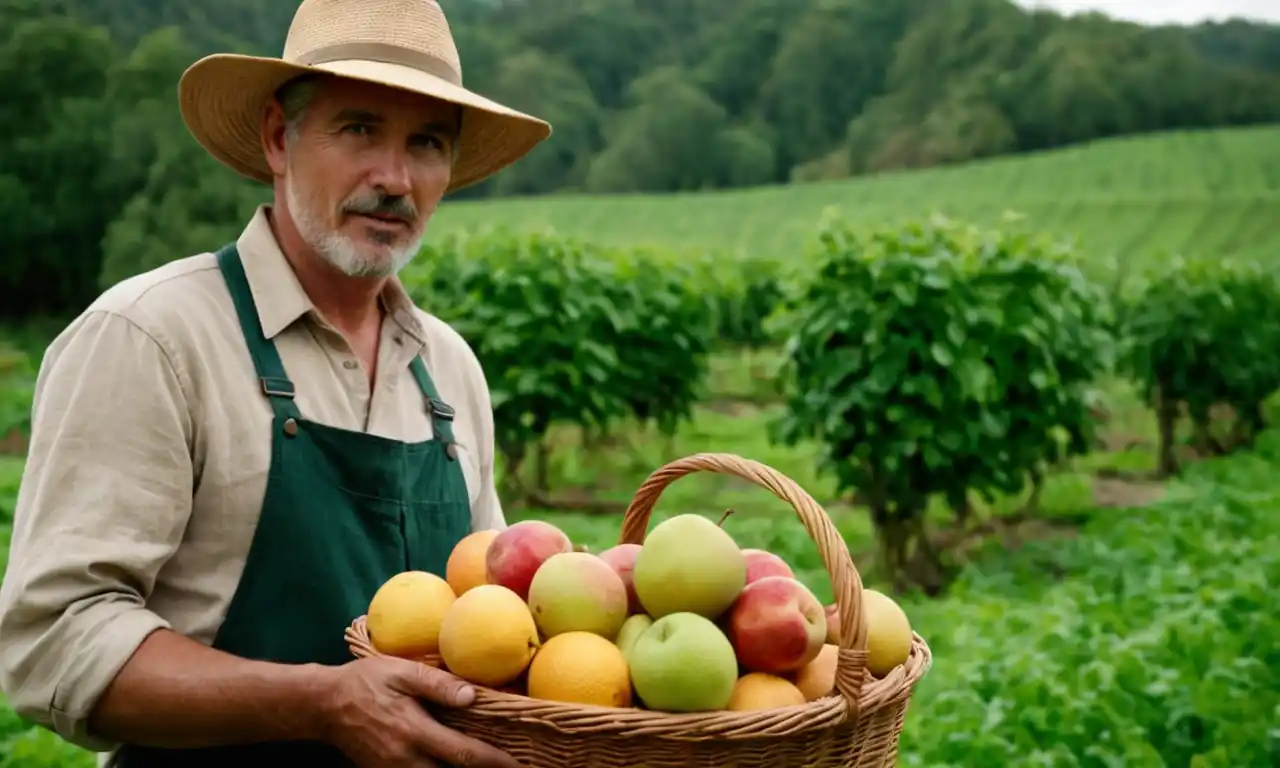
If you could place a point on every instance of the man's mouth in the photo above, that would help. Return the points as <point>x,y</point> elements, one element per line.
<point>385,218</point>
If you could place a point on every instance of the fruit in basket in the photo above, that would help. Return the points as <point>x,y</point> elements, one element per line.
<point>578,592</point>
<point>465,568</point>
<point>632,628</point>
<point>580,668</point>
<point>760,690</point>
<point>818,678</point>
<point>405,614</point>
<point>761,563</point>
<point>888,632</point>
<point>488,636</point>
<point>622,558</point>
<point>683,663</point>
<point>776,625</point>
<point>517,553</point>
<point>689,565</point>
<point>833,624</point>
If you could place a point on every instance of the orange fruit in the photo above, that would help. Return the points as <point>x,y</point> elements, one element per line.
<point>818,678</point>
<point>465,567</point>
<point>405,614</point>
<point>580,668</point>
<point>758,690</point>
<point>488,636</point>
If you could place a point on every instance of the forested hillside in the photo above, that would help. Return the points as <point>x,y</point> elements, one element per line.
<point>103,180</point>
<point>686,94</point>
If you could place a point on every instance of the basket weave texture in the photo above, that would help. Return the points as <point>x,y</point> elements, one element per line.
<point>857,726</point>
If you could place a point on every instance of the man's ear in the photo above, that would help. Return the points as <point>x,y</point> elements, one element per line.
<point>272,136</point>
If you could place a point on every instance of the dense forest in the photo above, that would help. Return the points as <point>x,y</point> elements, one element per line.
<point>101,179</point>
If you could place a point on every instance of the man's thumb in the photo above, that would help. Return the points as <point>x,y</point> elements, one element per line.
<point>440,686</point>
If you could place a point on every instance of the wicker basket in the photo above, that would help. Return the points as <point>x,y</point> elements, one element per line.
<point>857,726</point>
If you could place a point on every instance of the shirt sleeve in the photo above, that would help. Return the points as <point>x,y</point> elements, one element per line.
<point>105,497</point>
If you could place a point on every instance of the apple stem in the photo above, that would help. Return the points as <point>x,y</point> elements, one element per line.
<point>724,517</point>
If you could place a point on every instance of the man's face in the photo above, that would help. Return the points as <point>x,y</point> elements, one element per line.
<point>364,168</point>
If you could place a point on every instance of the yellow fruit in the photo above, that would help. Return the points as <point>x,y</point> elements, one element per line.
<point>888,633</point>
<point>818,678</point>
<point>758,690</point>
<point>580,668</point>
<point>405,614</point>
<point>465,568</point>
<point>488,636</point>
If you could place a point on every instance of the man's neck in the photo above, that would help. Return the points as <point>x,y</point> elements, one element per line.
<point>350,304</point>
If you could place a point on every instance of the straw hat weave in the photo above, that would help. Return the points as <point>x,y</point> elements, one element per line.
<point>404,44</point>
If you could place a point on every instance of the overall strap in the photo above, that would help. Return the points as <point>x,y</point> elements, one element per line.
<point>272,378</point>
<point>441,413</point>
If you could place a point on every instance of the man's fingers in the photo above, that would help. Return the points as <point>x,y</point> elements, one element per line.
<point>436,685</point>
<point>460,750</point>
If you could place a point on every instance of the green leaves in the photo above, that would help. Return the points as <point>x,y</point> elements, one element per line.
<point>569,333</point>
<point>936,359</point>
<point>1158,648</point>
<point>1206,333</point>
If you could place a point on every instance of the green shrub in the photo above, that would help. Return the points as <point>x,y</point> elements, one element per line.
<point>1203,335</point>
<point>937,360</point>
<point>568,333</point>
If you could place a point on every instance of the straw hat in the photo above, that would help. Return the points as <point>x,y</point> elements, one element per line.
<point>405,44</point>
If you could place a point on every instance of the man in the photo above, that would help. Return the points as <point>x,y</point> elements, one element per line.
<point>230,453</point>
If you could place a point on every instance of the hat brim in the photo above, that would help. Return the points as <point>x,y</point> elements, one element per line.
<point>222,96</point>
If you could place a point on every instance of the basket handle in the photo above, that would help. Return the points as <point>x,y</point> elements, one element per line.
<point>846,584</point>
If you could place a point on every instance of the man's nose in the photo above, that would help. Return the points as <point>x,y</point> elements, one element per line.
<point>391,173</point>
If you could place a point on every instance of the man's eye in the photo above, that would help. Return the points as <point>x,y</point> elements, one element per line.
<point>427,140</point>
<point>358,129</point>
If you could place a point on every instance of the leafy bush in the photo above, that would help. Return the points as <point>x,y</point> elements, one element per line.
<point>17,387</point>
<point>936,360</point>
<point>1201,335</point>
<point>569,333</point>
<point>1160,648</point>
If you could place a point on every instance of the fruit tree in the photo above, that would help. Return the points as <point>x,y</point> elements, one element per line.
<point>934,360</point>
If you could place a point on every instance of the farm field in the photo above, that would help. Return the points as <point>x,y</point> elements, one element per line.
<point>1132,198</point>
<point>1111,618</point>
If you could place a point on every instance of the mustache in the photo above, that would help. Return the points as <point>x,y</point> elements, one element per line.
<point>378,204</point>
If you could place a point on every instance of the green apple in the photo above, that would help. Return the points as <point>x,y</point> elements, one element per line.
<point>683,663</point>
<point>689,564</point>
<point>577,592</point>
<point>632,628</point>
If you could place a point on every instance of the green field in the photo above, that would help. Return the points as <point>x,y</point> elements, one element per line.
<point>1211,192</point>
<point>1125,622</point>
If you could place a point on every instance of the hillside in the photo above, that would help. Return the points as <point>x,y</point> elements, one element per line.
<point>682,95</point>
<point>1134,198</point>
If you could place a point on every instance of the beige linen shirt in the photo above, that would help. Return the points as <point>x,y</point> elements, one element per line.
<point>149,455</point>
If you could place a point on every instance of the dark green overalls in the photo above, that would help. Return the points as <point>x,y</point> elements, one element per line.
<point>343,512</point>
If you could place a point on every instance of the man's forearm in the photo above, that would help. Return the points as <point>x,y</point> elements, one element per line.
<point>176,692</point>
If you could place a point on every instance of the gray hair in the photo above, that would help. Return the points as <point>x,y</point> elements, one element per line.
<point>295,98</point>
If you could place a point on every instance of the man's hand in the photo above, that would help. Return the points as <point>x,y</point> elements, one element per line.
<point>374,713</point>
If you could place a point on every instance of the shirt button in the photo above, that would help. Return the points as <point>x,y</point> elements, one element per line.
<point>398,339</point>
<point>350,365</point>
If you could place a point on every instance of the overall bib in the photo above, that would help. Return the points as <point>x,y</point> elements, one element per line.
<point>343,512</point>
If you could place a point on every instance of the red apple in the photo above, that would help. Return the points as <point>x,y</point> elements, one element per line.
<point>517,553</point>
<point>761,563</point>
<point>776,625</point>
<point>623,560</point>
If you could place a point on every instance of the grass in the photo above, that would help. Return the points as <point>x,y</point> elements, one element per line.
<point>1133,198</point>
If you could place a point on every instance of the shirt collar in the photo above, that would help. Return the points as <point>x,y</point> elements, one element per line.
<point>279,297</point>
